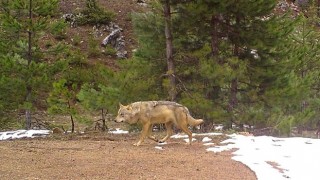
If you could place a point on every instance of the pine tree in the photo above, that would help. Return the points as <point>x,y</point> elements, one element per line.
<point>22,24</point>
<point>62,100</point>
<point>74,71</point>
<point>144,76</point>
<point>236,45</point>
<point>102,95</point>
<point>305,64</point>
<point>158,25</point>
<point>169,49</point>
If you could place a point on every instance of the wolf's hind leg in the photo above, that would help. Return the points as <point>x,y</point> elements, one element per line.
<point>169,132</point>
<point>185,129</point>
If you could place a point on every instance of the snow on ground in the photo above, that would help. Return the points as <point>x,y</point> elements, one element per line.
<point>18,134</point>
<point>119,131</point>
<point>269,157</point>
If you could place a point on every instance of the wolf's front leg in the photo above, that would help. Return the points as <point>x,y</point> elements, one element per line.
<point>144,133</point>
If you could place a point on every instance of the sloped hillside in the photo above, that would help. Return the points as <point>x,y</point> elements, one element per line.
<point>122,10</point>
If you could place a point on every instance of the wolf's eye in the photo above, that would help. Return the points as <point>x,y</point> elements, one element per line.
<point>122,114</point>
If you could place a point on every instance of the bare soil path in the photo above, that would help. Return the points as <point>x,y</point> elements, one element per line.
<point>114,157</point>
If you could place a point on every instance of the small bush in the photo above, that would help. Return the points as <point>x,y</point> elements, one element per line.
<point>93,14</point>
<point>8,123</point>
<point>76,40</point>
<point>110,51</point>
<point>93,48</point>
<point>58,29</point>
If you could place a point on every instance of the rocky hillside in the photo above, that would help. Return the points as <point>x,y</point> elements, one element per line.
<point>121,28</point>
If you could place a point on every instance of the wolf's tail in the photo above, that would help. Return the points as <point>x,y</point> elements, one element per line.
<point>194,122</point>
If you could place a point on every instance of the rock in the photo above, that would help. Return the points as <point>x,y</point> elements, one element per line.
<point>142,2</point>
<point>116,40</point>
<point>112,38</point>
<point>72,18</point>
<point>57,131</point>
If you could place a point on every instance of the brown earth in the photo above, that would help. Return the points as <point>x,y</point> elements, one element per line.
<point>114,157</point>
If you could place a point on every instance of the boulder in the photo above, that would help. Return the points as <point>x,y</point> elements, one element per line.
<point>116,40</point>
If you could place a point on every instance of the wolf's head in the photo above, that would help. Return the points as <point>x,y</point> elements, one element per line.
<point>126,114</point>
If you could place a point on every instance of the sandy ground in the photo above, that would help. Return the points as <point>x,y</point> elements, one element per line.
<point>114,157</point>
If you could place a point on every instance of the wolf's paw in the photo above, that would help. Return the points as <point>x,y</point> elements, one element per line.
<point>137,144</point>
<point>161,141</point>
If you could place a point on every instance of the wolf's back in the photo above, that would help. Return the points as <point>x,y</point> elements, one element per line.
<point>180,110</point>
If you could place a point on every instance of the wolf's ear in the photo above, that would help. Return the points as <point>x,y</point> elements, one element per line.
<point>120,105</point>
<point>129,107</point>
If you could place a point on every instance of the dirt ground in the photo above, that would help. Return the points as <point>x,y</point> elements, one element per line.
<point>103,156</point>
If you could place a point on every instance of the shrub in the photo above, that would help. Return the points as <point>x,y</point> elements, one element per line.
<point>58,29</point>
<point>93,15</point>
<point>93,48</point>
<point>110,51</point>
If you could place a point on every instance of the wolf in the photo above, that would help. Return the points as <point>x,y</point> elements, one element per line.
<point>148,113</point>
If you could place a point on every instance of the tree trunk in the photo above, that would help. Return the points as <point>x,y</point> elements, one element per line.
<point>29,88</point>
<point>72,123</point>
<point>215,41</point>
<point>28,119</point>
<point>169,50</point>
<point>234,82</point>
<point>215,35</point>
<point>71,117</point>
<point>104,126</point>
<point>233,100</point>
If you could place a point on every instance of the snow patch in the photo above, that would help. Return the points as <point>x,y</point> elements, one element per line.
<point>297,158</point>
<point>119,131</point>
<point>18,134</point>
<point>159,147</point>
<point>206,139</point>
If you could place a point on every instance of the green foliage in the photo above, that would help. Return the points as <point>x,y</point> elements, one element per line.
<point>149,29</point>
<point>93,49</point>
<point>45,7</point>
<point>58,29</point>
<point>285,125</point>
<point>9,123</point>
<point>94,14</point>
<point>62,98</point>
<point>236,62</point>
<point>139,80</point>
<point>83,120</point>
<point>24,75</point>
<point>110,51</point>
<point>76,40</point>
<point>12,91</point>
<point>99,98</point>
<point>253,51</point>
<point>248,58</point>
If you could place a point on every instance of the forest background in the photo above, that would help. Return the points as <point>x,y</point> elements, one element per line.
<point>231,62</point>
